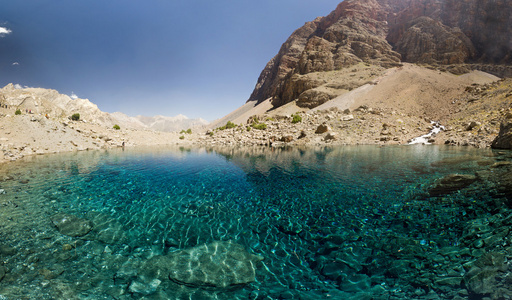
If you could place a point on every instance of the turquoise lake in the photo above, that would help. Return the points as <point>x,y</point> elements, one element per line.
<point>353,222</point>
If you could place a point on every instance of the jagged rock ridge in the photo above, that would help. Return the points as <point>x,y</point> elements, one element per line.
<point>385,33</point>
<point>49,102</point>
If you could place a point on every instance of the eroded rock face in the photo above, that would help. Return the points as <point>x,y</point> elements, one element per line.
<point>386,32</point>
<point>429,41</point>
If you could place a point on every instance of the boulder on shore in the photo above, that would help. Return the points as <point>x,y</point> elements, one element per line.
<point>504,138</point>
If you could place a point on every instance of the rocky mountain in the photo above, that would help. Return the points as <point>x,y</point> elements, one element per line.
<point>39,101</point>
<point>49,102</point>
<point>452,35</point>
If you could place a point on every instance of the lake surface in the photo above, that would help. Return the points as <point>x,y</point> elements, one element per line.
<point>355,222</point>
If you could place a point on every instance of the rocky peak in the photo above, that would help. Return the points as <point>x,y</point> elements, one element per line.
<point>385,33</point>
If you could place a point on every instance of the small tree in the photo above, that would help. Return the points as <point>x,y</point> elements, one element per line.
<point>17,112</point>
<point>75,117</point>
<point>116,127</point>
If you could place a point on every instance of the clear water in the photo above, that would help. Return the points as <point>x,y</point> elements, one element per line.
<point>296,207</point>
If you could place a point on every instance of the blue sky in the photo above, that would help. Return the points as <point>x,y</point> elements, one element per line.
<point>154,57</point>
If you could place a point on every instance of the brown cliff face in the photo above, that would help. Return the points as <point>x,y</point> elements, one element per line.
<point>385,33</point>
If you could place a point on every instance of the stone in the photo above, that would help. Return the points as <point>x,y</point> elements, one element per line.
<point>323,128</point>
<point>330,137</point>
<point>481,278</point>
<point>450,281</point>
<point>287,139</point>
<point>218,264</point>
<point>504,138</point>
<point>3,270</point>
<point>71,225</point>
<point>473,125</point>
<point>347,118</point>
<point>7,250</point>
<point>451,183</point>
<point>144,288</point>
<point>126,273</point>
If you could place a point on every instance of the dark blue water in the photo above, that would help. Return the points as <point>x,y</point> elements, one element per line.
<point>339,222</point>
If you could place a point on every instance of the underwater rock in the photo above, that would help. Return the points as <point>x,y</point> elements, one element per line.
<point>356,283</point>
<point>218,264</point>
<point>71,225</point>
<point>7,250</point>
<point>481,278</point>
<point>144,288</point>
<point>3,270</point>
<point>451,183</point>
<point>107,229</point>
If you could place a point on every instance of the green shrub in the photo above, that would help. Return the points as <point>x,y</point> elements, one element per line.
<point>296,119</point>
<point>75,117</point>
<point>17,112</point>
<point>189,131</point>
<point>116,127</point>
<point>228,125</point>
<point>182,137</point>
<point>259,126</point>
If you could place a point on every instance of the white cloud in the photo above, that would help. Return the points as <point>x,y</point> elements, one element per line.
<point>73,96</point>
<point>18,86</point>
<point>4,31</point>
<point>15,63</point>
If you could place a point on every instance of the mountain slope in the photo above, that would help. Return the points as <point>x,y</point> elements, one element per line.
<point>462,35</point>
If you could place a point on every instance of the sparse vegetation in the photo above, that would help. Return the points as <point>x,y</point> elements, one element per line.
<point>188,131</point>
<point>116,127</point>
<point>182,137</point>
<point>75,117</point>
<point>259,126</point>
<point>17,112</point>
<point>228,125</point>
<point>296,118</point>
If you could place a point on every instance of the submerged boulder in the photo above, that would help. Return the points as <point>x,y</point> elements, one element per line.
<point>71,225</point>
<point>481,278</point>
<point>451,183</point>
<point>215,265</point>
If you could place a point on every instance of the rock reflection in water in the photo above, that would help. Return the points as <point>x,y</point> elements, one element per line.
<point>304,223</point>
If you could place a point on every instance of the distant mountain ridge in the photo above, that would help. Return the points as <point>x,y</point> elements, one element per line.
<point>176,123</point>
<point>460,35</point>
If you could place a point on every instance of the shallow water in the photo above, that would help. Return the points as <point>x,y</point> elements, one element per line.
<point>330,222</point>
